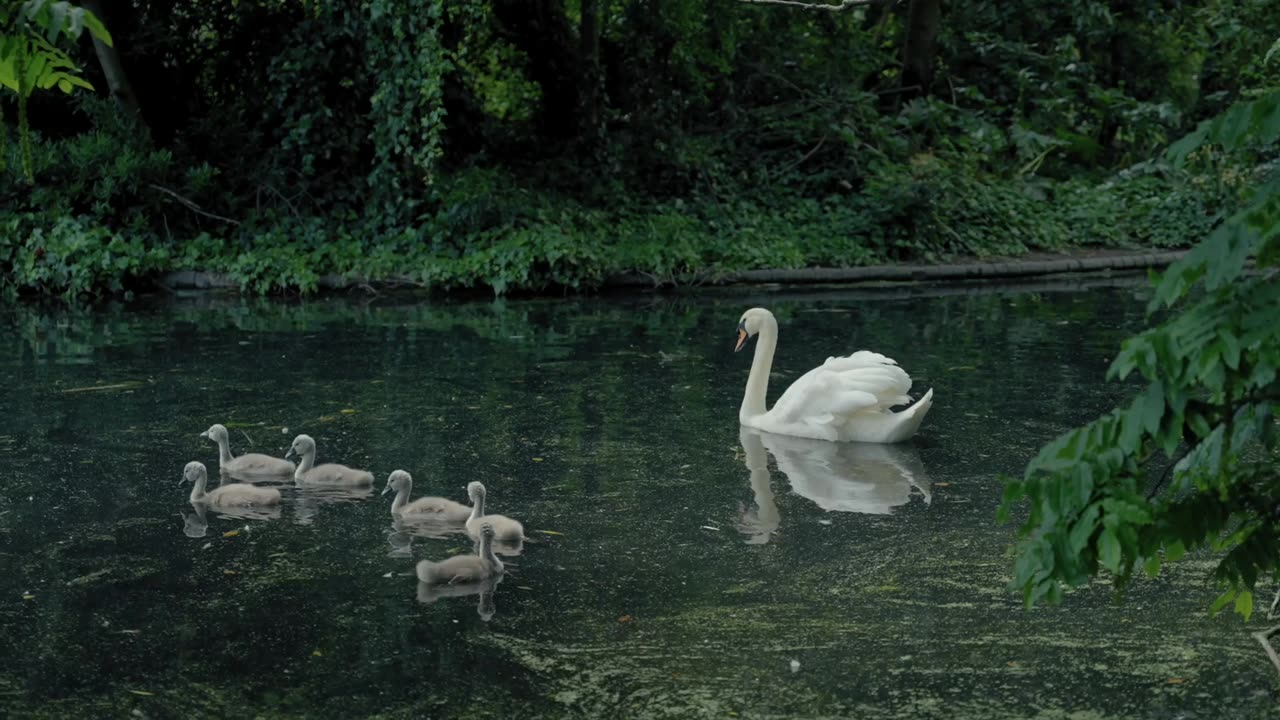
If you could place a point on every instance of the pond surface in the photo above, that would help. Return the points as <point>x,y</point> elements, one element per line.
<point>677,567</point>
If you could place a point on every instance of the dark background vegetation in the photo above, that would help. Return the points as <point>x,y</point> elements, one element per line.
<point>527,144</point>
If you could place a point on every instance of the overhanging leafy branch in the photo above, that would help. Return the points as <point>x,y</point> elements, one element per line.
<point>1211,388</point>
<point>30,59</point>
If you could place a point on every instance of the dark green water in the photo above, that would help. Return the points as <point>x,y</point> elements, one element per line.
<point>674,581</point>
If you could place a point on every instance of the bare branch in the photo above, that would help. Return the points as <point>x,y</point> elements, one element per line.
<point>844,4</point>
<point>1264,638</point>
<point>190,205</point>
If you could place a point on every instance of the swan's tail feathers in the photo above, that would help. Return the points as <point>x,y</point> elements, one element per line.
<point>427,571</point>
<point>912,417</point>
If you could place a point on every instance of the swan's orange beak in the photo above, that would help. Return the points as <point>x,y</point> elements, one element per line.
<point>742,338</point>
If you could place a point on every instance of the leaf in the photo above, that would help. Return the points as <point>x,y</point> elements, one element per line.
<point>1084,527</point>
<point>549,532</point>
<point>96,28</point>
<point>1244,604</point>
<point>143,693</point>
<point>1230,348</point>
<point>1275,48</point>
<point>1109,551</point>
<point>230,533</point>
<point>1174,551</point>
<point>1127,512</point>
<point>1222,601</point>
<point>1152,566</point>
<point>1153,407</point>
<point>1187,144</point>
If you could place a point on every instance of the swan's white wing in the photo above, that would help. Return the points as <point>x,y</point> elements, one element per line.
<point>862,382</point>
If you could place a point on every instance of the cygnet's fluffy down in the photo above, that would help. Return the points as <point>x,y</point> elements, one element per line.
<point>504,528</point>
<point>464,568</point>
<point>431,508</point>
<point>232,495</point>
<point>250,466</point>
<point>327,474</point>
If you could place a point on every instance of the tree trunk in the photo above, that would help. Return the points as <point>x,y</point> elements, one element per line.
<point>112,68</point>
<point>589,60</point>
<point>920,50</point>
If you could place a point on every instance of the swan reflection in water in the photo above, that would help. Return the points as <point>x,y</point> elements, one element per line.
<point>869,478</point>
<point>196,525</point>
<point>311,498</point>
<point>430,592</point>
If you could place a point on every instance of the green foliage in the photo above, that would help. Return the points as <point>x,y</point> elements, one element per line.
<point>1208,407</point>
<point>30,59</point>
<point>687,137</point>
<point>408,102</point>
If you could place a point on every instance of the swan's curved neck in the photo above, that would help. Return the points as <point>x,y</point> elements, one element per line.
<point>197,492</point>
<point>477,509</point>
<point>224,451</point>
<point>402,497</point>
<point>486,552</point>
<point>308,459</point>
<point>753,397</point>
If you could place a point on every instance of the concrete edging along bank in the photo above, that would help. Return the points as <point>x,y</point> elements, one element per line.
<point>197,280</point>
<point>906,273</point>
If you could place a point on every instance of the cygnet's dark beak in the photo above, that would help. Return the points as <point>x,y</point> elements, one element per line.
<point>742,336</point>
<point>204,434</point>
<point>288,454</point>
<point>386,489</point>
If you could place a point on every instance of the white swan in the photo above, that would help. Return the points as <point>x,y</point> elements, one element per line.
<point>250,466</point>
<point>235,494</point>
<point>844,399</point>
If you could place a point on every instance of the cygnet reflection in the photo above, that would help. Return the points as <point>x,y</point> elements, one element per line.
<point>403,531</point>
<point>427,527</point>
<point>871,478</point>
<point>249,513</point>
<point>196,523</point>
<point>430,592</point>
<point>310,499</point>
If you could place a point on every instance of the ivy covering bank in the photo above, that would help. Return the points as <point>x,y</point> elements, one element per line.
<point>551,143</point>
